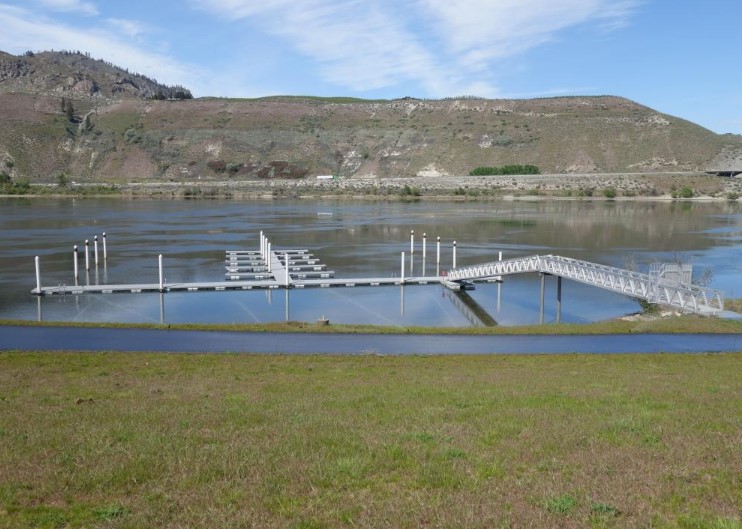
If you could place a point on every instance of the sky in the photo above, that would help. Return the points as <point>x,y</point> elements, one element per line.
<point>680,57</point>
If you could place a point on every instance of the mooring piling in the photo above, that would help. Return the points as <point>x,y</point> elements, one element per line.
<point>412,242</point>
<point>105,251</point>
<point>454,254</point>
<point>159,266</point>
<point>38,275</point>
<point>286,266</point>
<point>74,261</point>
<point>95,250</point>
<point>438,256</point>
<point>401,274</point>
<point>87,255</point>
<point>425,249</point>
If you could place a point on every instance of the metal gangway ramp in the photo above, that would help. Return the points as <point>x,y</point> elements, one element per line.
<point>656,287</point>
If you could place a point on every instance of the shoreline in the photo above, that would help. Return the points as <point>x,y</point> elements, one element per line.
<point>618,187</point>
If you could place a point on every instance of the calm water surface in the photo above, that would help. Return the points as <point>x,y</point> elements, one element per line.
<point>355,239</point>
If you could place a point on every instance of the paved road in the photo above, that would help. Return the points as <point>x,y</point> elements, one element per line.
<point>101,339</point>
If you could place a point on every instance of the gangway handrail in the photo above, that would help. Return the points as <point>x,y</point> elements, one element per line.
<point>687,297</point>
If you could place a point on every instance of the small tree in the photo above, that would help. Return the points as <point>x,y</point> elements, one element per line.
<point>609,192</point>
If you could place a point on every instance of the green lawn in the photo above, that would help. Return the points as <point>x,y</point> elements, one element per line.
<point>164,440</point>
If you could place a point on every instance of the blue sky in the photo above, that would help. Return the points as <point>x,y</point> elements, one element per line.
<point>679,57</point>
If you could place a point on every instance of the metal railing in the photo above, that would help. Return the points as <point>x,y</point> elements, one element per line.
<point>652,288</point>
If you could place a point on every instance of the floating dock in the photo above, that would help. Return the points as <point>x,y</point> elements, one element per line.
<point>250,270</point>
<point>268,268</point>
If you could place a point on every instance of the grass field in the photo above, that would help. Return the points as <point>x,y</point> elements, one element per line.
<point>164,440</point>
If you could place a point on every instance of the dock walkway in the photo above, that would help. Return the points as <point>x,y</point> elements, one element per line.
<point>666,284</point>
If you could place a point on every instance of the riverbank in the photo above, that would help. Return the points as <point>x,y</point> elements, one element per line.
<point>635,324</point>
<point>150,440</point>
<point>625,186</point>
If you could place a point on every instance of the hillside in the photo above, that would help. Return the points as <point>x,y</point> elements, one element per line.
<point>117,135</point>
<point>75,74</point>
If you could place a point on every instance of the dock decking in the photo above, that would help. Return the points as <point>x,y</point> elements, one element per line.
<point>248,270</point>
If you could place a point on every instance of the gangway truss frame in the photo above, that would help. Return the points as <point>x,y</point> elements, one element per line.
<point>652,288</point>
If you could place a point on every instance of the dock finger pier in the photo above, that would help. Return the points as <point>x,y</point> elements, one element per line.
<point>269,267</point>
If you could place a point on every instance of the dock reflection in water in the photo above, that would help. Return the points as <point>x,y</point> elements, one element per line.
<point>358,240</point>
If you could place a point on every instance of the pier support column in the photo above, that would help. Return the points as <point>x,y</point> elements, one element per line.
<point>162,309</point>
<point>95,250</point>
<point>543,278</point>
<point>401,275</point>
<point>105,249</point>
<point>559,299</point>
<point>87,255</point>
<point>454,254</point>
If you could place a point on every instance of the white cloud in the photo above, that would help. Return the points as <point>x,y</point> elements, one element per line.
<point>446,47</point>
<point>482,31</point>
<point>130,28</point>
<point>87,8</point>
<point>23,31</point>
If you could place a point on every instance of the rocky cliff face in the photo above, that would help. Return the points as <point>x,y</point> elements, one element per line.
<point>77,75</point>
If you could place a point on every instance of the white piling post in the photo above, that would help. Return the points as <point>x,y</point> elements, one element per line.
<point>74,260</point>
<point>105,250</point>
<point>87,255</point>
<point>454,254</point>
<point>425,242</point>
<point>261,243</point>
<point>95,248</point>
<point>286,266</point>
<point>499,258</point>
<point>38,275</point>
<point>268,257</point>
<point>438,256</point>
<point>401,275</point>
<point>412,242</point>
<point>159,266</point>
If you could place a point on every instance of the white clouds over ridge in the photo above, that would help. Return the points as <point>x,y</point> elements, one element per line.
<point>24,30</point>
<point>429,48</point>
<point>445,47</point>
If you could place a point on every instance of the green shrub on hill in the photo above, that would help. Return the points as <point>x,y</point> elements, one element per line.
<point>516,169</point>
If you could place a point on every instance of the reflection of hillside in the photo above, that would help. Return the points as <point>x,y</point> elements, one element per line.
<point>654,226</point>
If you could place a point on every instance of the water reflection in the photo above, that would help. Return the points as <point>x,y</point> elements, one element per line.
<point>356,240</point>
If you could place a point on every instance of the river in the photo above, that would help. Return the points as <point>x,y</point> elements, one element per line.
<point>354,239</point>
